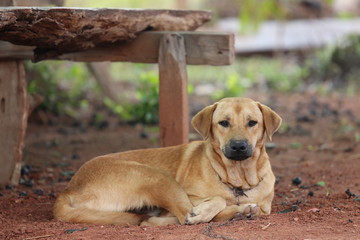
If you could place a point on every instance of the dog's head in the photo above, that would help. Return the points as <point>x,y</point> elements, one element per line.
<point>236,126</point>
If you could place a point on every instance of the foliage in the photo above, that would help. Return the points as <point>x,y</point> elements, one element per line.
<point>283,77</point>
<point>357,137</point>
<point>234,86</point>
<point>146,108</point>
<point>347,56</point>
<point>321,183</point>
<point>268,73</point>
<point>62,86</point>
<point>252,13</point>
<point>337,64</point>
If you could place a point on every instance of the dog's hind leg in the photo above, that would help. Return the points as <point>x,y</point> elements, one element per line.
<point>109,198</point>
<point>64,211</point>
<point>168,194</point>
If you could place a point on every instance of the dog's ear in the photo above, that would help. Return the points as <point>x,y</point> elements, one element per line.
<point>202,121</point>
<point>272,120</point>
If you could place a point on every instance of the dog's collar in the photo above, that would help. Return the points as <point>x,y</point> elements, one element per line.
<point>237,191</point>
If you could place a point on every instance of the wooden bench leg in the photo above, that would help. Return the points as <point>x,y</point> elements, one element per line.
<point>13,119</point>
<point>173,109</point>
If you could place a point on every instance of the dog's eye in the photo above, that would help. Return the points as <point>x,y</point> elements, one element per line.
<point>252,123</point>
<point>225,123</point>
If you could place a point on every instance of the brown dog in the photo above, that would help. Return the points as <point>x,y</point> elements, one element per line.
<point>226,175</point>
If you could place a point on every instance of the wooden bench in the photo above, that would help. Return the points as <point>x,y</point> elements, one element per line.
<point>172,50</point>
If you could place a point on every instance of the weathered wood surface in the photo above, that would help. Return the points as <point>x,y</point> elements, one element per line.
<point>54,31</point>
<point>173,99</point>
<point>12,51</point>
<point>202,48</point>
<point>14,106</point>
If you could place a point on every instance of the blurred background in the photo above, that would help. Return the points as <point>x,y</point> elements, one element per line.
<point>281,46</point>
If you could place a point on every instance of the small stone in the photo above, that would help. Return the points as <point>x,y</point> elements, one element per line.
<point>26,183</point>
<point>76,124</point>
<point>25,170</point>
<point>67,173</point>
<point>63,131</point>
<point>296,181</point>
<point>39,192</point>
<point>295,208</point>
<point>304,118</point>
<point>349,193</point>
<point>144,135</point>
<point>348,149</point>
<point>23,194</point>
<point>52,195</point>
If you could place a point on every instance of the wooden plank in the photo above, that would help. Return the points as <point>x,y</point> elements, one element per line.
<point>202,48</point>
<point>13,119</point>
<point>173,109</point>
<point>12,51</point>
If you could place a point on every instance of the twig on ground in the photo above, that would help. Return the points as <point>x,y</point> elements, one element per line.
<point>37,237</point>
<point>265,227</point>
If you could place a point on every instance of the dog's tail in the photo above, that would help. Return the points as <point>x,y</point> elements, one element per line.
<point>64,211</point>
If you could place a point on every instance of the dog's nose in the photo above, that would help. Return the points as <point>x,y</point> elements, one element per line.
<point>239,145</point>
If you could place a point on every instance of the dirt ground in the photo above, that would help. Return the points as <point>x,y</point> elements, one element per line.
<point>315,156</point>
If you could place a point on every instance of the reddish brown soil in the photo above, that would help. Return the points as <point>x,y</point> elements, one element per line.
<point>317,145</point>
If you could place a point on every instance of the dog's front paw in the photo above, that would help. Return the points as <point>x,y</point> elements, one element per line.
<point>205,211</point>
<point>252,210</point>
<point>248,211</point>
<point>198,215</point>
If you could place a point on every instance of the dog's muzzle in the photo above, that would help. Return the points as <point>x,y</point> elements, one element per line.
<point>238,150</point>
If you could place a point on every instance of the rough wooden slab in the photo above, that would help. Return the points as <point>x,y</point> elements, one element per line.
<point>201,48</point>
<point>13,119</point>
<point>54,31</point>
